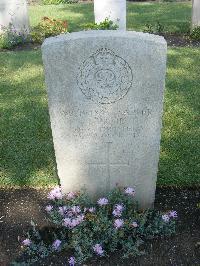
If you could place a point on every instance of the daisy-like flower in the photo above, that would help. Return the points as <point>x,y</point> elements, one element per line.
<point>72,261</point>
<point>62,210</point>
<point>71,195</point>
<point>165,218</point>
<point>102,201</point>
<point>56,244</point>
<point>49,208</point>
<point>55,194</point>
<point>76,209</point>
<point>118,223</point>
<point>98,249</point>
<point>130,191</point>
<point>173,214</point>
<point>117,212</point>
<point>26,242</point>
<point>92,209</point>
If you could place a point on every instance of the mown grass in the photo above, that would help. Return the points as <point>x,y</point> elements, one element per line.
<point>175,17</point>
<point>27,156</point>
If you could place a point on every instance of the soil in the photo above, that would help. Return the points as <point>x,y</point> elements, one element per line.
<point>19,206</point>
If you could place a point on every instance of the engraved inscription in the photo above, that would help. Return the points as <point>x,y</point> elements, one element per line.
<point>105,77</point>
<point>108,164</point>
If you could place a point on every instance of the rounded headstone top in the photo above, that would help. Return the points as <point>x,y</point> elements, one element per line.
<point>105,34</point>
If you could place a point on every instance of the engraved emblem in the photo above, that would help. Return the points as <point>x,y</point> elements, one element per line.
<point>104,77</point>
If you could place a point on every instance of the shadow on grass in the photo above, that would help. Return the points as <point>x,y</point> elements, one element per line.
<point>26,142</point>
<point>27,146</point>
<point>175,17</point>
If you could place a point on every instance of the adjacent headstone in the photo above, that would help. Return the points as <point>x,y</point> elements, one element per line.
<point>13,14</point>
<point>105,91</point>
<point>114,10</point>
<point>195,13</point>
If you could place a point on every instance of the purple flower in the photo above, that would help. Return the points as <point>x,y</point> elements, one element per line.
<point>71,261</point>
<point>118,223</point>
<point>92,209</point>
<point>98,249</point>
<point>67,222</point>
<point>56,244</point>
<point>80,218</point>
<point>173,214</point>
<point>62,210</point>
<point>49,208</point>
<point>55,194</point>
<point>26,242</point>
<point>134,224</point>
<point>130,191</point>
<point>71,223</point>
<point>119,207</point>
<point>71,195</point>
<point>117,212</point>
<point>102,201</point>
<point>76,209</point>
<point>165,218</point>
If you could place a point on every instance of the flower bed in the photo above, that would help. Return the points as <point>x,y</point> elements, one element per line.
<point>86,229</point>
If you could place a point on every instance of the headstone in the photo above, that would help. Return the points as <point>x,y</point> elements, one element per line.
<point>195,13</point>
<point>114,10</point>
<point>14,13</point>
<point>105,92</point>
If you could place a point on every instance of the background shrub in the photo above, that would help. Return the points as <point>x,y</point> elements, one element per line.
<point>57,2</point>
<point>48,27</point>
<point>195,34</point>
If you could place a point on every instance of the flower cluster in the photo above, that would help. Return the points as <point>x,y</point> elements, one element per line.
<point>56,244</point>
<point>171,214</point>
<point>130,191</point>
<point>102,201</point>
<point>117,212</point>
<point>55,194</point>
<point>118,223</point>
<point>98,249</point>
<point>102,227</point>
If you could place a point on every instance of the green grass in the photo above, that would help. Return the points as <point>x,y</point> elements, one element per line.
<point>175,17</point>
<point>26,142</point>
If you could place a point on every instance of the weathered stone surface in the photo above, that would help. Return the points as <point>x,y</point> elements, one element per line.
<point>14,12</point>
<point>105,91</point>
<point>115,10</point>
<point>195,13</point>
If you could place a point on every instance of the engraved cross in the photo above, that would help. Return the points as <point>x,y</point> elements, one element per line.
<point>108,164</point>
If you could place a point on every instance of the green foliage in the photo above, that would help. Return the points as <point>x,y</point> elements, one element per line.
<point>10,37</point>
<point>27,154</point>
<point>46,28</point>
<point>99,226</point>
<point>195,34</point>
<point>57,2</point>
<point>175,16</point>
<point>104,25</point>
<point>157,28</point>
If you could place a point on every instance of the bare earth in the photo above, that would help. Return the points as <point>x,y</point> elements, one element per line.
<point>19,206</point>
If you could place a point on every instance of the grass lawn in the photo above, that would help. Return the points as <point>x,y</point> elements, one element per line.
<point>26,142</point>
<point>175,17</point>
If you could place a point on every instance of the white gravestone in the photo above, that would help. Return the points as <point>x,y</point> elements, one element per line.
<point>195,13</point>
<point>14,13</point>
<point>105,92</point>
<point>115,10</point>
